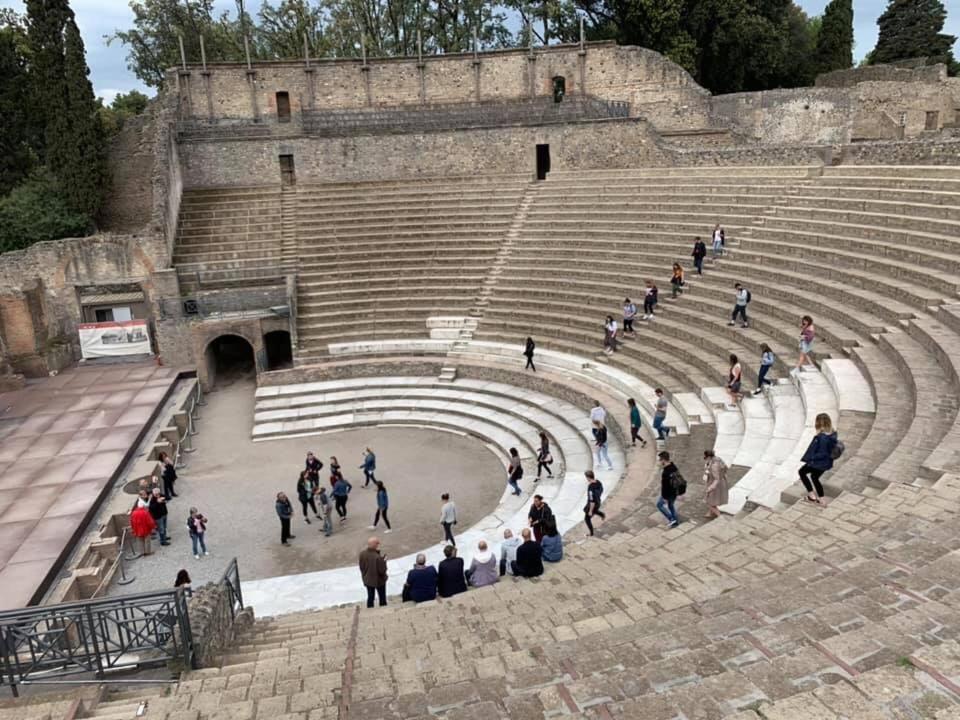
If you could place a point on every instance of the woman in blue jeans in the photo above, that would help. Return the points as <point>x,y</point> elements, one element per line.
<point>767,359</point>
<point>197,525</point>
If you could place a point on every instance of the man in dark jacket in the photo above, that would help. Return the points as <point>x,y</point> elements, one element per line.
<point>699,253</point>
<point>529,562</point>
<point>373,571</point>
<point>158,511</point>
<point>539,517</point>
<point>421,585</point>
<point>669,476</point>
<point>284,512</point>
<point>451,579</point>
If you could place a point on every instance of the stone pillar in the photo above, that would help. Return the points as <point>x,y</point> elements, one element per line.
<point>205,74</point>
<point>476,68</point>
<point>582,61</point>
<point>365,69</point>
<point>531,65</point>
<point>421,71</point>
<point>251,82</point>
<point>310,76</point>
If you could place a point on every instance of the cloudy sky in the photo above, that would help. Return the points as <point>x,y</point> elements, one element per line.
<point>110,75</point>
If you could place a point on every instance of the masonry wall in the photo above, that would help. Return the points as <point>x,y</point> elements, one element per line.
<point>608,143</point>
<point>658,89</point>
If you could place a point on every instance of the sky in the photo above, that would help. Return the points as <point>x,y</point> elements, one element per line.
<point>108,64</point>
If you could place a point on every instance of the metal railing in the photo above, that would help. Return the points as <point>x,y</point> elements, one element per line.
<point>231,583</point>
<point>95,637</point>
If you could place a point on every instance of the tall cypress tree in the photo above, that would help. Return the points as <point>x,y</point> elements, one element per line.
<point>82,170</point>
<point>912,29</point>
<point>835,40</point>
<point>15,160</point>
<point>46,21</point>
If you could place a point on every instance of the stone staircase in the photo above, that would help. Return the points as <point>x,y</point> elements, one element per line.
<point>288,237</point>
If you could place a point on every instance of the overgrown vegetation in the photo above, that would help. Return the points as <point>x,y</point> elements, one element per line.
<point>37,210</point>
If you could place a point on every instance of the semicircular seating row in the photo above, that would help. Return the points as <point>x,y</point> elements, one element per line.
<point>501,415</point>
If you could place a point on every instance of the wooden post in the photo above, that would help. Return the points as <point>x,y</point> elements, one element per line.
<point>183,54</point>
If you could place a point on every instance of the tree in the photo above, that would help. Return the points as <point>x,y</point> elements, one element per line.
<point>281,30</point>
<point>835,40</point>
<point>35,210</point>
<point>912,29</point>
<point>15,157</point>
<point>80,168</point>
<point>46,21</point>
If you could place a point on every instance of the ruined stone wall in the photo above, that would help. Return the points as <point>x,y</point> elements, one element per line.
<point>607,143</point>
<point>886,73</point>
<point>657,88</point>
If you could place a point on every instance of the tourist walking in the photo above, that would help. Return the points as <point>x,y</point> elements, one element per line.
<point>284,512</point>
<point>552,544</point>
<point>305,496</point>
<point>383,503</point>
<point>715,481</point>
<point>529,562</point>
<point>528,350</point>
<point>312,467</point>
<point>448,518</point>
<point>421,583</point>
<point>699,253</point>
<point>539,516</point>
<point>197,527</point>
<point>508,552</point>
<point>326,510</point>
<point>335,472</point>
<point>743,298</point>
<point>650,298</point>
<point>515,471</point>
<point>671,484</point>
<point>373,571</point>
<point>821,452</point>
<point>600,441</point>
<point>483,568</point>
<point>450,574</point>
<point>734,380</point>
<point>635,423</point>
<point>660,415</point>
<point>158,511</point>
<point>544,458</point>
<point>369,467</point>
<point>610,335</point>
<point>767,358</point>
<point>807,334</point>
<point>168,474</point>
<point>594,497</point>
<point>341,493</point>
<point>676,280</point>
<point>597,413</point>
<point>717,241</point>
<point>629,315</point>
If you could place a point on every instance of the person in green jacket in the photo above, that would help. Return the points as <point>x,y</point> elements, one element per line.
<point>635,423</point>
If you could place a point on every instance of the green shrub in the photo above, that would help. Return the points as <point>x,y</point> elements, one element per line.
<point>35,211</point>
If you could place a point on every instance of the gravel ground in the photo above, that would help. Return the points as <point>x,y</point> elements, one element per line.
<point>234,481</point>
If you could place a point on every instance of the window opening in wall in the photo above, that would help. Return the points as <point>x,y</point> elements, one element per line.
<point>288,175</point>
<point>559,88</point>
<point>933,120</point>
<point>114,314</point>
<point>543,161</point>
<point>283,107</point>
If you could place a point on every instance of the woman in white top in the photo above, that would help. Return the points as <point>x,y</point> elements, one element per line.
<point>610,335</point>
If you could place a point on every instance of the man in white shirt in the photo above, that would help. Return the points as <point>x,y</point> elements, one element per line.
<point>740,308</point>
<point>448,518</point>
<point>508,552</point>
<point>598,414</point>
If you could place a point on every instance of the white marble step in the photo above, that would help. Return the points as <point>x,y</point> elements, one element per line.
<point>758,424</point>
<point>693,408</point>
<point>612,380</point>
<point>396,346</point>
<point>730,431</point>
<point>849,385</point>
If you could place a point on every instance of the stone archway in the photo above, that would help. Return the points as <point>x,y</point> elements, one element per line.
<point>229,358</point>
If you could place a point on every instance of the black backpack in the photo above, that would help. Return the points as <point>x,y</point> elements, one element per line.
<point>749,296</point>
<point>679,484</point>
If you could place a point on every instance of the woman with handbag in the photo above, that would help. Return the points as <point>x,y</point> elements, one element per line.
<point>544,458</point>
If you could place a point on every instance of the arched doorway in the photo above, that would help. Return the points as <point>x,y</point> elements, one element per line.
<point>229,358</point>
<point>279,350</point>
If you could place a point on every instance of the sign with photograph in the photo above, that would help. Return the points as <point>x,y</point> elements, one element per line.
<point>111,339</point>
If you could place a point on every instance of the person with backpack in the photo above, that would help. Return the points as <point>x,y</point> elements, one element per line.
<point>740,308</point>
<point>594,496</point>
<point>672,486</point>
<point>767,358</point>
<point>629,315</point>
<point>649,300</point>
<point>635,423</point>
<point>715,481</point>
<point>699,253</point>
<point>822,451</point>
<point>515,471</point>
<point>528,350</point>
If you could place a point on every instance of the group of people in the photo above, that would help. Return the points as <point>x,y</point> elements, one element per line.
<point>522,556</point>
<point>316,499</point>
<point>149,514</point>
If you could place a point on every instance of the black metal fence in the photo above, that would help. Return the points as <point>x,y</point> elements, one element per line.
<point>94,637</point>
<point>231,583</point>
